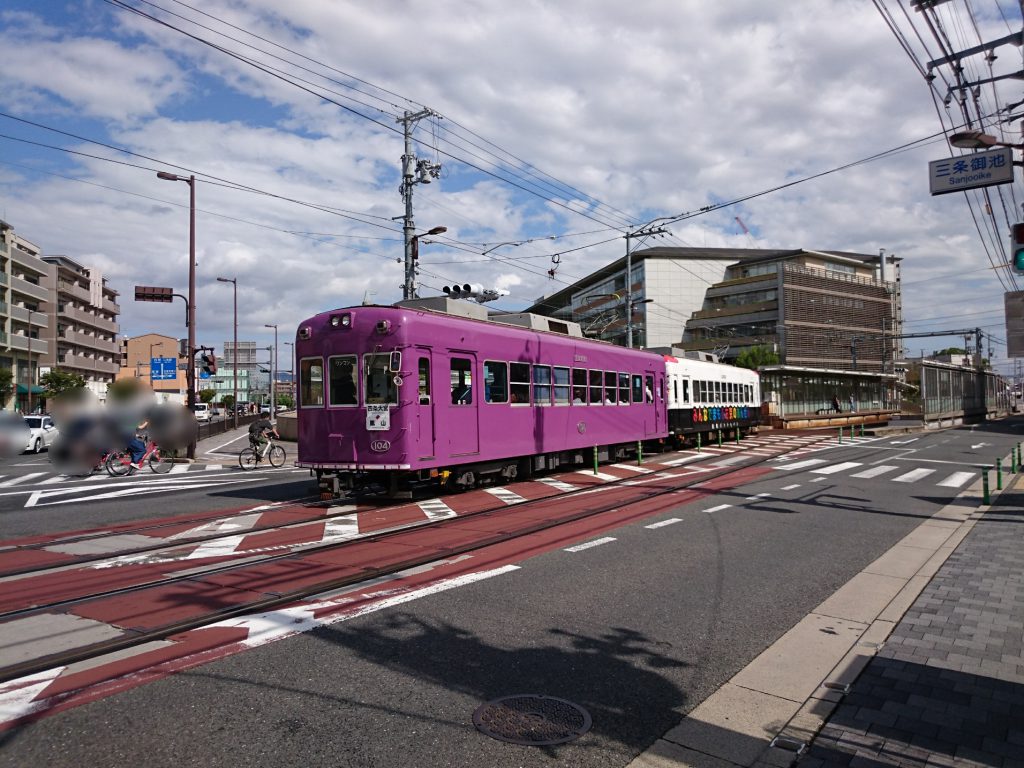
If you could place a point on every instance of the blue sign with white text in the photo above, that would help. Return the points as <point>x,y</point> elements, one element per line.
<point>163,368</point>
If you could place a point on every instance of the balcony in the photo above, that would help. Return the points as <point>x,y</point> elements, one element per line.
<point>27,260</point>
<point>69,360</point>
<point>80,339</point>
<point>67,288</point>
<point>93,321</point>
<point>39,319</point>
<point>110,306</point>
<point>29,289</point>
<point>17,341</point>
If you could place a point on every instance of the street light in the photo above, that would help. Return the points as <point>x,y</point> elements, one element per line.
<point>234,385</point>
<point>979,140</point>
<point>273,372</point>
<point>191,319</point>
<point>414,254</point>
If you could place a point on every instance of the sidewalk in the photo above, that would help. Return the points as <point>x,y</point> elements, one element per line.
<point>917,661</point>
<point>947,689</point>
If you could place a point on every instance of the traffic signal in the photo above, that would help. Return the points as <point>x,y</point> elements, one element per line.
<point>208,363</point>
<point>153,293</point>
<point>1017,247</point>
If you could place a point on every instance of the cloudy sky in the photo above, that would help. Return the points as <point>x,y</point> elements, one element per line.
<point>560,124</point>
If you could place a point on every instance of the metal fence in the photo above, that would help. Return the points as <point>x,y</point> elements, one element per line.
<point>211,428</point>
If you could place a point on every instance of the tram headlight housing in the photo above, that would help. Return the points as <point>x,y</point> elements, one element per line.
<point>342,321</point>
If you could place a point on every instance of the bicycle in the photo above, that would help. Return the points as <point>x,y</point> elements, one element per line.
<point>119,463</point>
<point>250,457</point>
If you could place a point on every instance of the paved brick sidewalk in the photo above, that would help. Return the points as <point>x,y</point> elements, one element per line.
<point>947,689</point>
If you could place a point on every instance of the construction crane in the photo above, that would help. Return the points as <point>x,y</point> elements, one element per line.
<point>745,231</point>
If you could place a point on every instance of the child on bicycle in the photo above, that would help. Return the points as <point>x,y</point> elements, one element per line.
<point>259,434</point>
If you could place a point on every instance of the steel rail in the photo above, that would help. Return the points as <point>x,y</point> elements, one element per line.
<point>93,650</point>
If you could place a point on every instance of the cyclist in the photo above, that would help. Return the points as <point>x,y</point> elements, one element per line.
<point>259,433</point>
<point>137,445</point>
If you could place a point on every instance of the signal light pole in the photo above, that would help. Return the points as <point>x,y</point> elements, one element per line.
<point>234,385</point>
<point>273,374</point>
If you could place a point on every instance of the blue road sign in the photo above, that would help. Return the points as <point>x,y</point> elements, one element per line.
<point>163,368</point>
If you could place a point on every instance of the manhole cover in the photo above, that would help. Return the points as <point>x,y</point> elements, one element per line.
<point>532,720</point>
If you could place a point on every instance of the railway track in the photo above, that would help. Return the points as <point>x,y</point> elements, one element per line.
<point>464,534</point>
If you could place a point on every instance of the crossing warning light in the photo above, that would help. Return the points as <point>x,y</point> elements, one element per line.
<point>1017,247</point>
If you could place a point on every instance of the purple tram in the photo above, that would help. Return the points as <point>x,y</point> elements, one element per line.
<point>396,398</point>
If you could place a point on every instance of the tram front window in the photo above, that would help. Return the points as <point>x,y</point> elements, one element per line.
<point>379,386</point>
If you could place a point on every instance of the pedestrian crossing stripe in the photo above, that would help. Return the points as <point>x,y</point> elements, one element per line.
<point>834,468</point>
<point>913,476</point>
<point>875,471</point>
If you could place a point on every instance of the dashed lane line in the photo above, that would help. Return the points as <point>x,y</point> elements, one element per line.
<point>589,544</point>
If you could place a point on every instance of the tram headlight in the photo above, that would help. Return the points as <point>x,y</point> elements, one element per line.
<point>344,320</point>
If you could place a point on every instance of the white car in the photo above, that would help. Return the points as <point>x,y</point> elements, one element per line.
<point>42,433</point>
<point>202,411</point>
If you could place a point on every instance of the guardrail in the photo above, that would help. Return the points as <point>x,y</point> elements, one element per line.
<point>219,427</point>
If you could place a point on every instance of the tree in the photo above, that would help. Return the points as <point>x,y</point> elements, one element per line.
<point>754,357</point>
<point>207,395</point>
<point>6,385</point>
<point>286,400</point>
<point>228,401</point>
<point>57,382</point>
<point>124,390</point>
<point>950,351</point>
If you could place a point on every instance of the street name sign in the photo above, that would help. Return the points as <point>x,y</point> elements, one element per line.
<point>982,169</point>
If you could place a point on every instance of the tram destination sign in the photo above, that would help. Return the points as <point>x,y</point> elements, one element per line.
<point>981,169</point>
<point>1013,303</point>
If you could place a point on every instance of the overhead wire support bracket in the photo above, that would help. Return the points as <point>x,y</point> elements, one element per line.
<point>1017,38</point>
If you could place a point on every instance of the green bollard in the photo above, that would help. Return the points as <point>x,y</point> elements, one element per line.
<point>1013,462</point>
<point>639,453</point>
<point>698,442</point>
<point>719,438</point>
<point>840,435</point>
<point>595,459</point>
<point>985,498</point>
<point>737,433</point>
<point>999,474</point>
<point>862,429</point>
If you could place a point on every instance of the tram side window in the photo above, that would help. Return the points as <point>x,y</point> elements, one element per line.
<point>701,391</point>
<point>638,388</point>
<point>311,382</point>
<point>561,386</point>
<point>610,390</point>
<point>579,386</point>
<point>595,387</point>
<point>342,377</point>
<point>542,385</point>
<point>686,391</point>
<point>718,392</point>
<point>379,383</point>
<point>495,382</point>
<point>462,381</point>
<point>424,381</point>
<point>649,388</point>
<point>519,382</point>
<point>624,389</point>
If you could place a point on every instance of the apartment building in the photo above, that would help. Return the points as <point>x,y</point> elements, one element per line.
<point>82,334</point>
<point>23,320</point>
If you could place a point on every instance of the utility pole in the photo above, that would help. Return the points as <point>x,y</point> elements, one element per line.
<point>413,172</point>
<point>646,230</point>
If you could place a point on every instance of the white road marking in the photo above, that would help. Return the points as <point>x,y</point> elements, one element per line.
<point>790,487</point>
<point>54,480</point>
<point>911,440</point>
<point>730,461</point>
<point>341,528</point>
<point>223,546</point>
<point>663,523</point>
<point>633,468</point>
<point>802,464</point>
<point>683,460</point>
<point>506,496</point>
<point>913,476</point>
<point>759,496</point>
<point>719,508</point>
<point>22,479</point>
<point>956,479</point>
<point>558,485</point>
<point>599,476</point>
<point>229,442</point>
<point>589,544</point>
<point>875,471</point>
<point>836,468</point>
<point>435,509</point>
<point>177,469</point>
<point>17,697</point>
<point>819,480</point>
<point>214,467</point>
<point>221,525</point>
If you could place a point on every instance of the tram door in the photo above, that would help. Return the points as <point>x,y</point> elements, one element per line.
<point>424,405</point>
<point>463,398</point>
